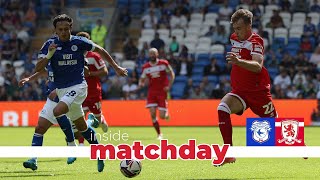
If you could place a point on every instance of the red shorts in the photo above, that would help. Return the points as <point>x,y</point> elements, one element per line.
<point>259,102</point>
<point>93,106</point>
<point>157,100</point>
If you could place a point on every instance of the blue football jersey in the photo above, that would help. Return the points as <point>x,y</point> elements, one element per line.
<point>68,61</point>
<point>51,86</point>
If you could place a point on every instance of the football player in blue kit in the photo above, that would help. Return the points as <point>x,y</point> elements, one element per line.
<point>66,55</point>
<point>46,117</point>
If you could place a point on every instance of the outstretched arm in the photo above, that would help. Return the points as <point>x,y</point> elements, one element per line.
<point>33,77</point>
<point>105,55</point>
<point>99,73</point>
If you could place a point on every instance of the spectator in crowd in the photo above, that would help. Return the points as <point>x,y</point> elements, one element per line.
<point>141,59</point>
<point>164,22</point>
<point>292,92</point>
<point>211,69</point>
<point>220,36</point>
<point>276,20</point>
<point>30,16</point>
<point>99,33</point>
<point>184,66</point>
<point>130,50</point>
<point>309,29</point>
<point>174,45</point>
<point>28,65</point>
<point>285,5</point>
<point>211,32</point>
<point>315,7</point>
<point>198,92</point>
<point>300,76</point>
<point>188,89</point>
<point>153,8</point>
<point>315,56</point>
<point>130,90</point>
<point>157,42</point>
<point>208,87</point>
<point>305,45</point>
<point>178,20</point>
<point>125,17</point>
<point>225,11</point>
<point>282,79</point>
<point>149,21</point>
<point>115,88</point>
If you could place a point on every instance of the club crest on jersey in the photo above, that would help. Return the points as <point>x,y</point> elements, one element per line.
<point>289,132</point>
<point>260,131</point>
<point>74,48</point>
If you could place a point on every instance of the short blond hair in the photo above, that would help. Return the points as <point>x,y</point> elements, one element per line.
<point>243,14</point>
<point>83,34</point>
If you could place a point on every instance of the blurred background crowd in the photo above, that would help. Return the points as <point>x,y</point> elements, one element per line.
<point>193,35</point>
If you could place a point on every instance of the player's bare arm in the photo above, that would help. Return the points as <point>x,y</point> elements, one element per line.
<point>172,77</point>
<point>255,65</point>
<point>105,55</point>
<point>142,81</point>
<point>99,73</point>
<point>34,76</point>
<point>43,62</point>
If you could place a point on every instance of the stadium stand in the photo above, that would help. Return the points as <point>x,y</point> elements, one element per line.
<point>291,43</point>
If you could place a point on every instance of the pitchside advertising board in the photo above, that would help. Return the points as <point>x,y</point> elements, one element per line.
<point>275,132</point>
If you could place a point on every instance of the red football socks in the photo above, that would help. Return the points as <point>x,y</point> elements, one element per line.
<point>157,127</point>
<point>225,127</point>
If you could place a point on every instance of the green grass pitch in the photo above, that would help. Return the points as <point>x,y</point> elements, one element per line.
<point>83,168</point>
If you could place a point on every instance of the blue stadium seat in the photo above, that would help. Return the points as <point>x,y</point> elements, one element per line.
<point>308,54</point>
<point>177,90</point>
<point>181,79</point>
<point>203,56</point>
<point>213,9</point>
<point>225,77</point>
<point>292,49</point>
<point>294,41</point>
<point>234,3</point>
<point>196,78</point>
<point>219,57</point>
<point>136,9</point>
<point>123,3</point>
<point>202,62</point>
<point>222,64</point>
<point>313,42</point>
<point>228,48</point>
<point>197,70</point>
<point>136,2</point>
<point>74,3</point>
<point>273,72</point>
<point>213,79</point>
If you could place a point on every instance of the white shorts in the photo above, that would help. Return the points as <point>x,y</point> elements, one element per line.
<point>74,96</point>
<point>47,111</point>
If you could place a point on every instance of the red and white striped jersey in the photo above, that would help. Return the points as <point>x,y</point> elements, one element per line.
<point>242,79</point>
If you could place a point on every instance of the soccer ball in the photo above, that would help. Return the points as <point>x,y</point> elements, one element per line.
<point>130,168</point>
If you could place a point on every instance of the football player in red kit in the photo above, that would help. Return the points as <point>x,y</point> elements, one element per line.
<point>96,69</point>
<point>250,80</point>
<point>156,71</point>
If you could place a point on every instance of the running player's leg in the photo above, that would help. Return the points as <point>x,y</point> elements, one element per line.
<point>152,105</point>
<point>76,114</point>
<point>60,113</point>
<point>231,103</point>
<point>261,104</point>
<point>45,121</point>
<point>163,107</point>
<point>37,140</point>
<point>96,116</point>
